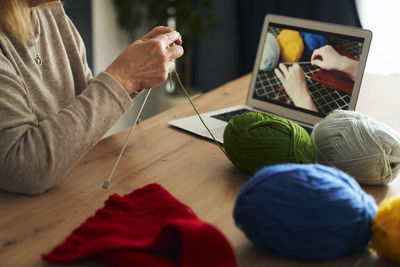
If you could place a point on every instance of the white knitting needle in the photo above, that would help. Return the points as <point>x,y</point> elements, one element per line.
<point>107,182</point>
<point>300,62</point>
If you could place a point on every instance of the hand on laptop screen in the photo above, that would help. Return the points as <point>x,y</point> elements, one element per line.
<point>293,77</point>
<point>294,82</point>
<point>328,58</point>
<point>315,70</point>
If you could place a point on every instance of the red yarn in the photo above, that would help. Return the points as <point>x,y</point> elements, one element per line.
<point>335,79</point>
<point>147,227</point>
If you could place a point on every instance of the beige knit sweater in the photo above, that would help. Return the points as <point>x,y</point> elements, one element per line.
<point>51,114</point>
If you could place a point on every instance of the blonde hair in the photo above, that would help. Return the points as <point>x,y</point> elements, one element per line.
<point>15,19</point>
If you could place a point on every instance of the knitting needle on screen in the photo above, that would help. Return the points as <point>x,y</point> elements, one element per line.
<point>108,181</point>
<point>300,62</point>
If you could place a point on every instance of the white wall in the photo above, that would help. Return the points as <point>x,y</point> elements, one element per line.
<point>382,18</point>
<point>108,40</point>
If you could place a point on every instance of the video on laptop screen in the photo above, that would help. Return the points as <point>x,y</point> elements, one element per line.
<point>312,71</point>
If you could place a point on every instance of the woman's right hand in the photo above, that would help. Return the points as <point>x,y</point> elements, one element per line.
<point>147,61</point>
<point>328,58</point>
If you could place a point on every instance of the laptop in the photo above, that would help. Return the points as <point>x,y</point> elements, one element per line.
<point>285,40</point>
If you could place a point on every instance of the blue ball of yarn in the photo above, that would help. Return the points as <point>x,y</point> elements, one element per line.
<point>271,52</point>
<point>312,41</point>
<point>305,211</point>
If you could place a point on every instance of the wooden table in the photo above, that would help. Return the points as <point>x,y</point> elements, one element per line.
<point>192,169</point>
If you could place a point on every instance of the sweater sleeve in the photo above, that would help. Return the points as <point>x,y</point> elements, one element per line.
<point>36,155</point>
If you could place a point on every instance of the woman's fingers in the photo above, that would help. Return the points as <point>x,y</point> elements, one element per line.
<point>279,74</point>
<point>174,52</point>
<point>164,34</point>
<point>284,69</point>
<point>157,31</point>
<point>171,66</point>
<point>169,38</point>
<point>296,67</point>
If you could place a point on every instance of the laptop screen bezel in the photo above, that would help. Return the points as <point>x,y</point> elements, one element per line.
<point>296,114</point>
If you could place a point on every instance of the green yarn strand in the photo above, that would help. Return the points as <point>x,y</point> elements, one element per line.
<point>195,109</point>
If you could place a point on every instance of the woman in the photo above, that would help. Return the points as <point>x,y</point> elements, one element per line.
<point>52,111</point>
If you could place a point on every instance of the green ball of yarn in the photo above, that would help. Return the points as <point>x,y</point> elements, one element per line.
<point>253,140</point>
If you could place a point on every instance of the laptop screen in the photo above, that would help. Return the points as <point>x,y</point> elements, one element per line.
<point>310,70</point>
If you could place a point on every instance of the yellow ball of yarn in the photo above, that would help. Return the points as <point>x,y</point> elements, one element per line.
<point>386,229</point>
<point>291,45</point>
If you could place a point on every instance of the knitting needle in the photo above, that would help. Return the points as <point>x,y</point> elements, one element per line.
<point>300,62</point>
<point>108,181</point>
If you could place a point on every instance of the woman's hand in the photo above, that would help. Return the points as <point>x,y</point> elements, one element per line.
<point>147,62</point>
<point>294,82</point>
<point>328,58</point>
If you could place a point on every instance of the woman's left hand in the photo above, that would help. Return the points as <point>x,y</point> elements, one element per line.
<point>147,61</point>
<point>294,82</point>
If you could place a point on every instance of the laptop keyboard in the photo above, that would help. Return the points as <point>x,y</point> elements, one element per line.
<point>228,115</point>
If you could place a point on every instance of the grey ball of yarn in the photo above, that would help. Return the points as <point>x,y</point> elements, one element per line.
<point>358,145</point>
<point>271,53</point>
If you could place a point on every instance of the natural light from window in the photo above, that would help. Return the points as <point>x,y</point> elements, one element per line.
<point>383,19</point>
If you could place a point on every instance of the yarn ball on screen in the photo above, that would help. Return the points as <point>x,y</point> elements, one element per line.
<point>312,41</point>
<point>386,229</point>
<point>291,45</point>
<point>358,145</point>
<point>305,211</point>
<point>253,140</point>
<point>271,53</point>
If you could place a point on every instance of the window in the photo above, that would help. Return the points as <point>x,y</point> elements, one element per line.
<point>382,18</point>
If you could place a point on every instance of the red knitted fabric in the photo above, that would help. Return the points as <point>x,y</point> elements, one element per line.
<point>335,79</point>
<point>147,227</point>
